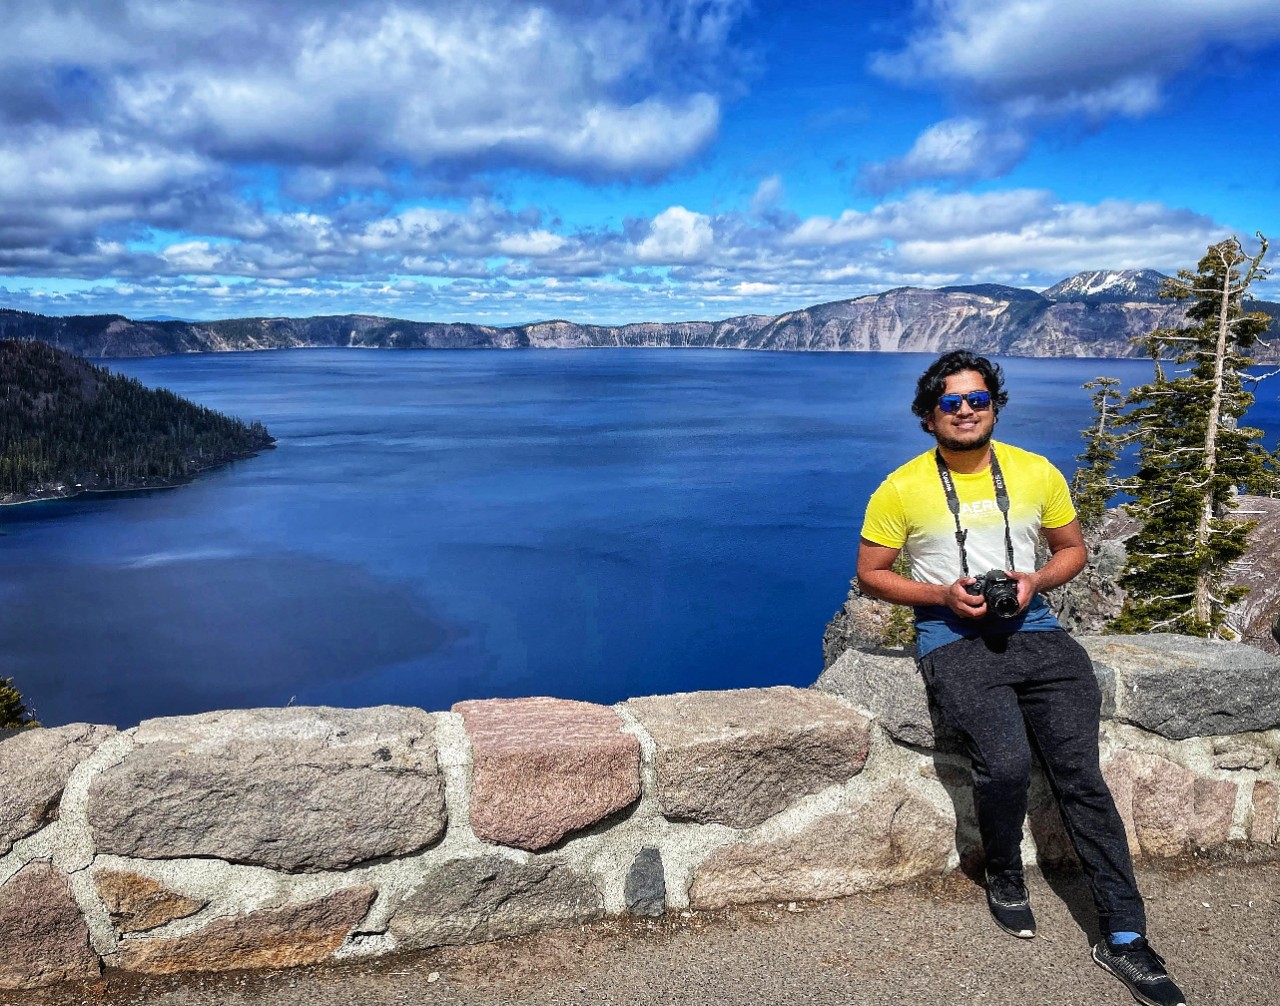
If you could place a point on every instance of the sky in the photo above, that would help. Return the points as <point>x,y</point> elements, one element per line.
<point>616,160</point>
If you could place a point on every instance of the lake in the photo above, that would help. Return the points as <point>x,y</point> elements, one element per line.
<point>437,526</point>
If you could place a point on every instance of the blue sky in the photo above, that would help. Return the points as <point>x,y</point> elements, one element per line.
<point>626,160</point>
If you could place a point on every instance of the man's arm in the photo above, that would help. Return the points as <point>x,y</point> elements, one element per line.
<point>1069,554</point>
<point>877,579</point>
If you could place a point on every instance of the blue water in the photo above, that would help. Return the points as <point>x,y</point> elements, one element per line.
<point>436,526</point>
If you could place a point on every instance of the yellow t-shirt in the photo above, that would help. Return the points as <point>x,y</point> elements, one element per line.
<point>909,511</point>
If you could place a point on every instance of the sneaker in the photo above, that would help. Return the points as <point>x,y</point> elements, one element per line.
<point>1010,905</point>
<point>1142,970</point>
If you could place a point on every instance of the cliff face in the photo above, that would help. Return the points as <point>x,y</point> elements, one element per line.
<point>929,321</point>
<point>987,319</point>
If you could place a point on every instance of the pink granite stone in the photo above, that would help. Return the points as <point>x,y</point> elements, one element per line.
<point>1169,810</point>
<point>1213,803</point>
<point>1262,822</point>
<point>543,768</point>
<point>1120,772</point>
<point>45,939</point>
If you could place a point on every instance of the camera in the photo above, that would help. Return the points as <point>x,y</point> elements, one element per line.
<point>999,590</point>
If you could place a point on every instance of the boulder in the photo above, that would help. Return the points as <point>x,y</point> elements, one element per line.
<point>136,903</point>
<point>296,789</point>
<point>543,768</point>
<point>289,936</point>
<point>491,897</point>
<point>1183,686</point>
<point>738,757</point>
<point>45,939</point>
<point>35,764</point>
<point>891,836</point>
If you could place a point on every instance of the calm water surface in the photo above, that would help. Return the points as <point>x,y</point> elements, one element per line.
<point>436,526</point>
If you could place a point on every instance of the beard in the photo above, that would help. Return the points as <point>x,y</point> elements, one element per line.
<point>963,445</point>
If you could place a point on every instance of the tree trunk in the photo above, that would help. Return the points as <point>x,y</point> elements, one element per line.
<point>1203,575</point>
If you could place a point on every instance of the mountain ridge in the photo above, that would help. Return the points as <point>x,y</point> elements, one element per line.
<point>1094,314</point>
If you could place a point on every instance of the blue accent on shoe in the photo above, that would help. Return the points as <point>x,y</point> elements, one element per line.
<point>1121,938</point>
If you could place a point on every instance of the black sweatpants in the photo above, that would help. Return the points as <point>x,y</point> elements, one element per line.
<point>1006,693</point>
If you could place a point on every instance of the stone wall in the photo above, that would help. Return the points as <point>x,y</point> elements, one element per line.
<point>275,837</point>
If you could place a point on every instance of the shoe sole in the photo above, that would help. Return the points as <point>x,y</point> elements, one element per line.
<point>1022,934</point>
<point>1120,978</point>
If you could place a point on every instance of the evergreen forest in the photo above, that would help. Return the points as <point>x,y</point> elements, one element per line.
<point>67,425</point>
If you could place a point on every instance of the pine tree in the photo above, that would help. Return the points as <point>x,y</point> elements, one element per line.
<point>1094,483</point>
<point>13,712</point>
<point>1193,457</point>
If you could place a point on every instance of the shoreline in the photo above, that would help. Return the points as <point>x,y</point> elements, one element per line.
<point>144,485</point>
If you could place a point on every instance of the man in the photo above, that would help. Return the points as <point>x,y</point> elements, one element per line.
<point>1009,679</point>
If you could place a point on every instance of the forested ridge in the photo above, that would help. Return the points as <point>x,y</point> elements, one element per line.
<point>67,426</point>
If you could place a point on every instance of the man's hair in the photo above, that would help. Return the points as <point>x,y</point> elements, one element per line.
<point>932,382</point>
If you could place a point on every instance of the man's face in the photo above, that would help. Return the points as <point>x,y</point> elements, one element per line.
<point>967,429</point>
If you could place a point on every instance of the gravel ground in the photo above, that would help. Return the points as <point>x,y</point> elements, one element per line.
<point>1218,925</point>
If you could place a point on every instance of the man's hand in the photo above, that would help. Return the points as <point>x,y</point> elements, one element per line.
<point>963,603</point>
<point>1028,586</point>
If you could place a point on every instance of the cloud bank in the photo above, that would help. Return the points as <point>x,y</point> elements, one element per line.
<point>1018,65</point>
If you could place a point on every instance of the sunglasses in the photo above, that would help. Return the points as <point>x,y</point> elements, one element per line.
<point>978,401</point>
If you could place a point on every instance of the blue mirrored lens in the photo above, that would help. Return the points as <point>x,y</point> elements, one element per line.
<point>978,400</point>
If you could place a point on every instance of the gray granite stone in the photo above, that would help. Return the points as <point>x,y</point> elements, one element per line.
<point>490,898</point>
<point>739,757</point>
<point>889,686</point>
<point>34,766</point>
<point>893,835</point>
<point>296,789</point>
<point>1182,686</point>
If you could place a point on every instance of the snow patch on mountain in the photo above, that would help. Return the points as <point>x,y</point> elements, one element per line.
<point>1109,286</point>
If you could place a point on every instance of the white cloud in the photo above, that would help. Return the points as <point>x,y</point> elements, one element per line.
<point>954,148</point>
<point>578,88</point>
<point>532,244</point>
<point>1055,49</point>
<point>769,193</point>
<point>944,215</point>
<point>1025,63</point>
<point>676,235</point>
<point>486,263</point>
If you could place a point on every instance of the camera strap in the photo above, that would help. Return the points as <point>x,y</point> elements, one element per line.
<point>953,504</point>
